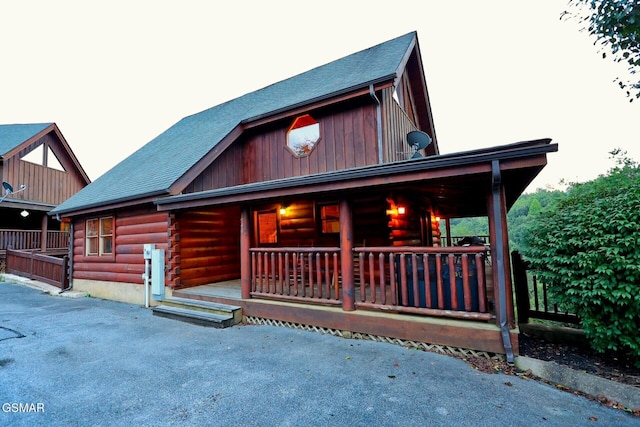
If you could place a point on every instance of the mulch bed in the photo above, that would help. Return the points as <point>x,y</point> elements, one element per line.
<point>612,366</point>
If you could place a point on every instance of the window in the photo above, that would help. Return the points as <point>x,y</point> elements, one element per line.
<point>37,156</point>
<point>303,135</point>
<point>396,96</point>
<point>267,227</point>
<point>99,239</point>
<point>330,219</point>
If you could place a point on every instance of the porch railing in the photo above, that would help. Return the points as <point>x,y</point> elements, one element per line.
<point>31,239</point>
<point>298,274</point>
<point>456,239</point>
<point>421,280</point>
<point>46,268</point>
<point>436,281</point>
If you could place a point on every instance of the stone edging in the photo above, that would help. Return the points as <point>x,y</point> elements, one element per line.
<point>623,394</point>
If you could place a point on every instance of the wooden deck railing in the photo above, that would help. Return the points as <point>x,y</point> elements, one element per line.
<point>456,239</point>
<point>436,281</point>
<point>385,278</point>
<point>532,296</point>
<point>46,268</point>
<point>298,274</point>
<point>31,239</point>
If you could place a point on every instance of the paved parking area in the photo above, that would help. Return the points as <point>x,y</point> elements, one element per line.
<point>86,362</point>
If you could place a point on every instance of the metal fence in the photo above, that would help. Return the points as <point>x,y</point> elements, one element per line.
<point>532,295</point>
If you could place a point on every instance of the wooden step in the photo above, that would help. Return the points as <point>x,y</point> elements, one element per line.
<point>196,317</point>
<point>204,313</point>
<point>208,306</point>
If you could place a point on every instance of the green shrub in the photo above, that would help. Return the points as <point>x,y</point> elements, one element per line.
<point>587,249</point>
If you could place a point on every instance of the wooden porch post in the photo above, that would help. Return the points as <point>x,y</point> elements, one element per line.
<point>245,256</point>
<point>346,256</point>
<point>499,241</point>
<point>447,224</point>
<point>43,232</point>
<point>504,242</point>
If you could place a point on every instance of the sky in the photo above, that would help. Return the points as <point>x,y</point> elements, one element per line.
<point>114,75</point>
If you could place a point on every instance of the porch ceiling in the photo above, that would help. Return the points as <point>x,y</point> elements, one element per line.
<point>457,184</point>
<point>466,195</point>
<point>25,204</point>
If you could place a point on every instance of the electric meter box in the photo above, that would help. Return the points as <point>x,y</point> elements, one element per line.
<point>147,250</point>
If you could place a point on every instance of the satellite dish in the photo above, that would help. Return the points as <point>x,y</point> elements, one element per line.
<point>8,189</point>
<point>418,140</point>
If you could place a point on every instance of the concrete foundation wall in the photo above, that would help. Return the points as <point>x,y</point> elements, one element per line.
<point>132,293</point>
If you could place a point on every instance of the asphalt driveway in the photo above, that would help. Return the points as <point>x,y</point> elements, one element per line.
<point>85,362</point>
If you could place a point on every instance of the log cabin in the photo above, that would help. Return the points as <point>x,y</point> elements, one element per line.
<point>315,201</point>
<point>39,171</point>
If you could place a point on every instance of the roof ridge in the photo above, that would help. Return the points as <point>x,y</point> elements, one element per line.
<point>12,135</point>
<point>307,72</point>
<point>156,166</point>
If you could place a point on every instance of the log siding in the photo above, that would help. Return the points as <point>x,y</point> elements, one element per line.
<point>132,231</point>
<point>204,247</point>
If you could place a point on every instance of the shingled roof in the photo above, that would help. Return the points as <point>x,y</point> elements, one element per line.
<point>152,169</point>
<point>11,136</point>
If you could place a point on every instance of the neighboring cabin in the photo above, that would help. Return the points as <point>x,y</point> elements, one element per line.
<point>40,171</point>
<point>307,197</point>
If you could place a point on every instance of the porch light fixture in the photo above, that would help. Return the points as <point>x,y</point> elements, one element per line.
<point>24,213</point>
<point>399,210</point>
<point>283,210</point>
<point>8,190</point>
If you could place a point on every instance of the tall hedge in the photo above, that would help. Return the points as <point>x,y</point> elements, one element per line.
<point>587,249</point>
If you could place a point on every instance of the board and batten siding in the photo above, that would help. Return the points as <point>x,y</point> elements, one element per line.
<point>396,126</point>
<point>44,184</point>
<point>348,138</point>
<point>225,171</point>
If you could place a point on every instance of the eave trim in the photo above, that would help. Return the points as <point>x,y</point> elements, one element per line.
<point>538,147</point>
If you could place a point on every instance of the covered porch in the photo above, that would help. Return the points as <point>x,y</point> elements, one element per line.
<point>379,268</point>
<point>26,225</point>
<point>435,281</point>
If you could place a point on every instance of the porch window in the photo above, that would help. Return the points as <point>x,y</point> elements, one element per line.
<point>99,239</point>
<point>330,219</point>
<point>303,135</point>
<point>267,227</point>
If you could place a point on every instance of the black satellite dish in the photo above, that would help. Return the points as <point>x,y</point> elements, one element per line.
<point>418,140</point>
<point>8,189</point>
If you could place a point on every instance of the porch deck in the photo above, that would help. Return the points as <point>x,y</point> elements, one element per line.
<point>449,332</point>
<point>227,289</point>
